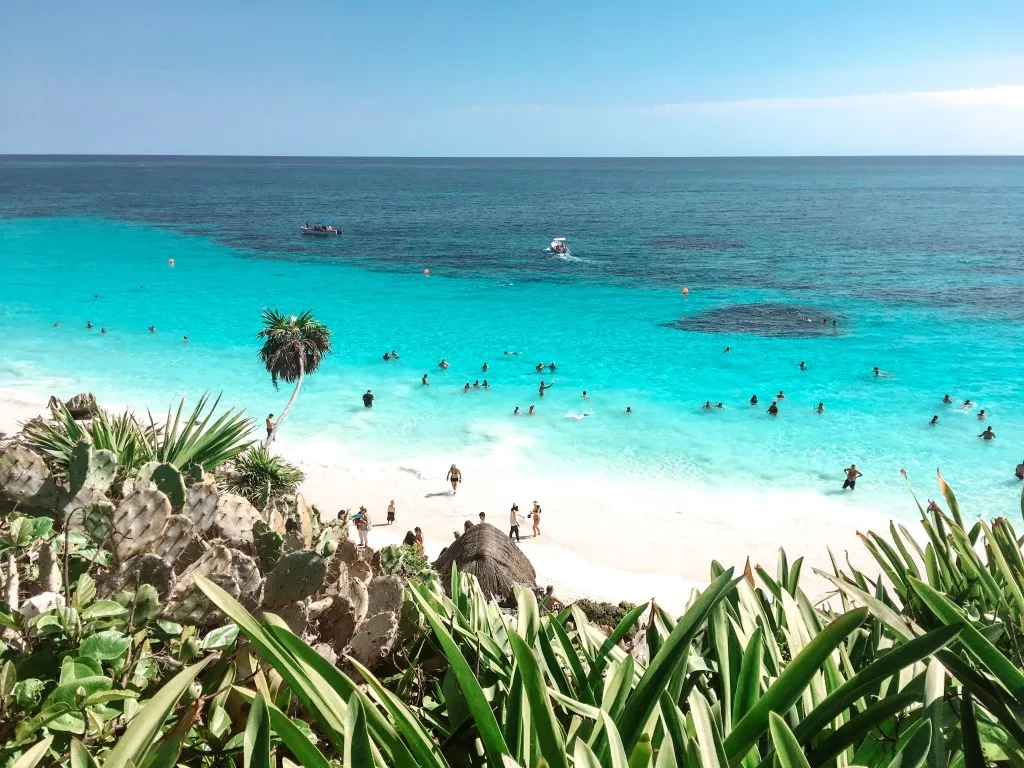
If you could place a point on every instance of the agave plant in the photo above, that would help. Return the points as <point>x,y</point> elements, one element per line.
<point>259,476</point>
<point>130,440</point>
<point>200,439</point>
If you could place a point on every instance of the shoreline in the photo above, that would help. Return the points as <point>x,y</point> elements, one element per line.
<point>602,538</point>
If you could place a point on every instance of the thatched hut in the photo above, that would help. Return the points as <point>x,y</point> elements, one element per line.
<point>490,555</point>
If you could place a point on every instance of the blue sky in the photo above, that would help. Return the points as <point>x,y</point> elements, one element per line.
<point>524,78</point>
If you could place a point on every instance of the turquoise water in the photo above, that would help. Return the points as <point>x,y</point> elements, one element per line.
<point>921,264</point>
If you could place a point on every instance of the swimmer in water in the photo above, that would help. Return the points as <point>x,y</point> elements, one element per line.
<point>394,355</point>
<point>628,410</point>
<point>707,405</point>
<point>981,415</point>
<point>780,396</point>
<point>532,410</point>
<point>476,384</point>
<point>387,356</point>
<point>424,381</point>
<point>773,409</point>
<point>152,329</point>
<point>486,385</point>
<point>833,323</point>
<point>753,399</point>
<point>485,368</point>
<point>727,349</point>
<point>803,366</point>
<point>466,388</point>
<point>539,367</point>
<point>368,399</point>
<point>934,421</point>
<point>585,395</point>
<point>880,373</point>
<point>443,365</point>
<point>552,367</point>
<point>947,399</point>
<point>103,330</point>
<point>184,339</point>
<point>820,408</point>
<point>968,404</point>
<point>88,324</point>
<point>988,434</point>
<point>516,411</point>
<point>719,405</point>
<point>544,387</point>
<point>56,325</point>
<point>824,321</point>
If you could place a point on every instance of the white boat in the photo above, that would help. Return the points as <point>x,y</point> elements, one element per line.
<point>559,245</point>
<point>323,229</point>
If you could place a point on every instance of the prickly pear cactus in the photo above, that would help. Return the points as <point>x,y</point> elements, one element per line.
<point>296,577</point>
<point>168,479</point>
<point>234,518</point>
<point>193,607</point>
<point>201,504</point>
<point>337,623</point>
<point>294,615</point>
<point>49,572</point>
<point>305,521</point>
<point>347,551</point>
<point>249,578</point>
<point>386,595</point>
<point>139,521</point>
<point>361,570</point>
<point>277,512</point>
<point>355,591</point>
<point>268,545</point>
<point>194,474</point>
<point>216,560</point>
<point>143,569</point>
<point>374,639</point>
<point>24,478</point>
<point>77,509</point>
<point>144,474</point>
<point>178,535</point>
<point>91,468</point>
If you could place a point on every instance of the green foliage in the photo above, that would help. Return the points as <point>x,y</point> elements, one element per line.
<point>404,561</point>
<point>123,435</point>
<point>259,476</point>
<point>200,439</point>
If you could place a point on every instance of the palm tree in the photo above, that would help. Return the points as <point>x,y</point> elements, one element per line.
<point>292,347</point>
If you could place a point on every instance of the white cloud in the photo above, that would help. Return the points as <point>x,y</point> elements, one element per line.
<point>1006,96</point>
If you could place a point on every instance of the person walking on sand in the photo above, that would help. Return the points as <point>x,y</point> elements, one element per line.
<point>363,527</point>
<point>544,387</point>
<point>454,476</point>
<point>535,514</point>
<point>852,473</point>
<point>391,512</point>
<point>513,522</point>
<point>270,425</point>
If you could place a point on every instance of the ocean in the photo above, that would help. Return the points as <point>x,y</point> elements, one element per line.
<point>918,261</point>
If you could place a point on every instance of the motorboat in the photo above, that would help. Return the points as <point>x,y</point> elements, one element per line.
<point>320,229</point>
<point>559,245</point>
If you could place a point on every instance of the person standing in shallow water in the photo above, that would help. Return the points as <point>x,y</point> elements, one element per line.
<point>988,434</point>
<point>852,473</point>
<point>773,409</point>
<point>544,387</point>
<point>454,476</point>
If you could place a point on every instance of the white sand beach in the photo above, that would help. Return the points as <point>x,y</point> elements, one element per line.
<point>601,537</point>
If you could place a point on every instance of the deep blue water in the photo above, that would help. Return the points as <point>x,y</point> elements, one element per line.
<point>919,260</point>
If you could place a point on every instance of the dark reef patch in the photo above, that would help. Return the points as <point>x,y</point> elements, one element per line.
<point>771,319</point>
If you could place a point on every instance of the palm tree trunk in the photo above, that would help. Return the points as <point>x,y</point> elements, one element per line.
<point>291,402</point>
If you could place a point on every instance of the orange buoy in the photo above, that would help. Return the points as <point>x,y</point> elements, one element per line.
<point>686,291</point>
<point>426,273</point>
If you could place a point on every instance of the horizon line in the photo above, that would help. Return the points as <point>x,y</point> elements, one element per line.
<point>504,157</point>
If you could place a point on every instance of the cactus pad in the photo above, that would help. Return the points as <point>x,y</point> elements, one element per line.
<point>177,537</point>
<point>268,545</point>
<point>139,521</point>
<point>192,606</point>
<point>294,615</point>
<point>201,504</point>
<point>361,570</point>
<point>374,640</point>
<point>296,577</point>
<point>347,551</point>
<point>337,623</point>
<point>143,569</point>
<point>24,478</point>
<point>168,479</point>
<point>305,521</point>
<point>386,595</point>
<point>216,560</point>
<point>234,518</point>
<point>357,595</point>
<point>249,578</point>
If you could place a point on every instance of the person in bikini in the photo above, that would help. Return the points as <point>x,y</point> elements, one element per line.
<point>454,476</point>
<point>535,515</point>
